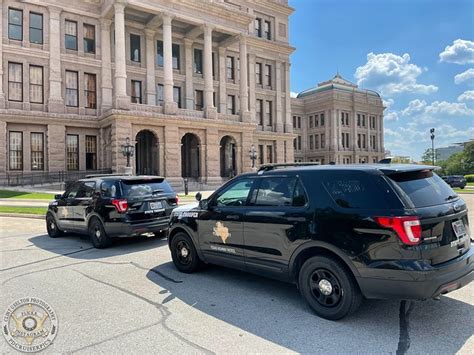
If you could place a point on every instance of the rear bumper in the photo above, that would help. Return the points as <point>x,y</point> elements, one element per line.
<point>127,229</point>
<point>419,285</point>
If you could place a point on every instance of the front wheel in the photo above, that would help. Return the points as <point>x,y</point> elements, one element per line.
<point>99,237</point>
<point>52,227</point>
<point>184,254</point>
<point>329,288</point>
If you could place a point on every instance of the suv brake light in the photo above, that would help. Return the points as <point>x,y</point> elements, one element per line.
<point>408,228</point>
<point>121,205</point>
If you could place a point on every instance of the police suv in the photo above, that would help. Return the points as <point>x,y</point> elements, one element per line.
<point>340,233</point>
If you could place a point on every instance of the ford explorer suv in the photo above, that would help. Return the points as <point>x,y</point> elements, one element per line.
<point>105,207</point>
<point>455,181</point>
<point>339,232</point>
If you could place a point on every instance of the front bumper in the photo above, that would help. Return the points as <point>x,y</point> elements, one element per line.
<point>128,229</point>
<point>418,285</point>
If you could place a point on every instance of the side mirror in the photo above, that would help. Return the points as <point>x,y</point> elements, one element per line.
<point>198,196</point>
<point>58,196</point>
<point>203,204</point>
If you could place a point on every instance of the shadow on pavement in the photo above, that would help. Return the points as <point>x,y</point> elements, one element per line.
<point>79,247</point>
<point>276,312</point>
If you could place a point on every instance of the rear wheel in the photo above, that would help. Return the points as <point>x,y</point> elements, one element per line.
<point>99,237</point>
<point>184,253</point>
<point>329,288</point>
<point>52,227</point>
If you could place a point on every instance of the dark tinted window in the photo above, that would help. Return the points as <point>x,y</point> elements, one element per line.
<point>280,191</point>
<point>86,190</point>
<point>422,188</point>
<point>73,190</point>
<point>138,188</point>
<point>110,188</point>
<point>354,189</point>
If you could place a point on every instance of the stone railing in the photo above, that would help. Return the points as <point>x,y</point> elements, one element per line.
<point>146,108</point>
<point>227,117</point>
<point>190,113</point>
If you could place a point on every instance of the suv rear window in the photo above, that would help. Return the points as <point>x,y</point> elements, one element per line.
<point>422,188</point>
<point>359,190</point>
<point>139,188</point>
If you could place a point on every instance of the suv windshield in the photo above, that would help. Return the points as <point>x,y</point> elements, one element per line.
<point>139,188</point>
<point>423,188</point>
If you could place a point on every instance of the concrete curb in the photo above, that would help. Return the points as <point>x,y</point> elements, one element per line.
<point>23,215</point>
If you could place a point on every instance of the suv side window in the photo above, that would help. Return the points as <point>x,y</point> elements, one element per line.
<point>73,190</point>
<point>234,195</point>
<point>280,192</point>
<point>86,190</point>
<point>109,189</point>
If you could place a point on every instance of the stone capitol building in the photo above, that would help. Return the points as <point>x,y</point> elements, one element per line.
<point>193,85</point>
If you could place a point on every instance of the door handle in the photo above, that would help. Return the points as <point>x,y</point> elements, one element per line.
<point>233,217</point>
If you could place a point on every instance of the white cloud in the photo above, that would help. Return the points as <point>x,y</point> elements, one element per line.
<point>460,52</point>
<point>388,103</point>
<point>293,94</point>
<point>437,108</point>
<point>466,96</point>
<point>391,116</point>
<point>467,75</point>
<point>392,74</point>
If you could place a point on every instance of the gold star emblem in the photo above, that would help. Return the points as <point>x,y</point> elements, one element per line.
<point>221,231</point>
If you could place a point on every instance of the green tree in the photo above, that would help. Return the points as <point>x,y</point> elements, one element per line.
<point>427,157</point>
<point>469,158</point>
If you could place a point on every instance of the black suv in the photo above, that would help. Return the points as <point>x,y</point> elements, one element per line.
<point>455,181</point>
<point>340,233</point>
<point>112,206</point>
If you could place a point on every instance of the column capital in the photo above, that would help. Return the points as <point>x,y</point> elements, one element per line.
<point>54,11</point>
<point>207,28</point>
<point>119,6</point>
<point>188,42</point>
<point>105,23</point>
<point>167,18</point>
<point>150,33</point>
<point>221,50</point>
<point>242,38</point>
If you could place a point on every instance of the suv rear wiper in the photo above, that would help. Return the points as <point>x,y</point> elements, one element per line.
<point>450,197</point>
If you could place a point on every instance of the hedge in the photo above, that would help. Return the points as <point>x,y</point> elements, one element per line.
<point>469,178</point>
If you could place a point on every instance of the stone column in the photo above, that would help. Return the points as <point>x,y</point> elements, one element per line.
<point>212,157</point>
<point>56,141</point>
<point>354,142</point>
<point>279,113</point>
<point>244,96</point>
<point>170,107</point>
<point>252,99</point>
<point>172,155</point>
<point>106,72</point>
<point>2,93</point>
<point>334,124</point>
<point>380,135</point>
<point>222,81</point>
<point>122,101</point>
<point>121,129</point>
<point>3,144</point>
<point>188,56</point>
<point>280,151</point>
<point>288,124</point>
<point>210,110</point>
<point>150,67</point>
<point>55,101</point>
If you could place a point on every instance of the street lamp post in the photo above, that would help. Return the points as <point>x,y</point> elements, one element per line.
<point>253,155</point>
<point>433,154</point>
<point>128,150</point>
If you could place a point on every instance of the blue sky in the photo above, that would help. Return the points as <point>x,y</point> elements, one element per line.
<point>419,54</point>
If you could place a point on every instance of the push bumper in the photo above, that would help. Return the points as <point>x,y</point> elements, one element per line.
<point>128,229</point>
<point>419,285</point>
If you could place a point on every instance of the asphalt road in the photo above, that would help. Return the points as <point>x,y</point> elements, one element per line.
<point>131,299</point>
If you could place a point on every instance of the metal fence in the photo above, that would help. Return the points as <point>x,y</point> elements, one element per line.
<point>46,177</point>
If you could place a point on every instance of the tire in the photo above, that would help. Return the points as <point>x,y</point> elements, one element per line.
<point>329,288</point>
<point>52,227</point>
<point>184,254</point>
<point>99,237</point>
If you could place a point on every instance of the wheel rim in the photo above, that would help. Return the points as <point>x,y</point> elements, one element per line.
<point>51,225</point>
<point>97,231</point>
<point>183,252</point>
<point>325,288</point>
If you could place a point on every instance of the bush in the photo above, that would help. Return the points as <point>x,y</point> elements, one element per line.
<point>469,178</point>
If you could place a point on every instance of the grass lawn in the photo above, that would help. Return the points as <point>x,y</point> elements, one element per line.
<point>26,195</point>
<point>21,209</point>
<point>470,184</point>
<point>464,191</point>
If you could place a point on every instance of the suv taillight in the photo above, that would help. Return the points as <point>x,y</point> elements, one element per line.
<point>408,228</point>
<point>121,205</point>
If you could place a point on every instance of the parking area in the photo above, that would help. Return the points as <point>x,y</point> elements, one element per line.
<point>130,298</point>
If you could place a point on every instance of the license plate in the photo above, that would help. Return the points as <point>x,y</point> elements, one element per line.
<point>459,229</point>
<point>155,205</point>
